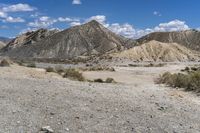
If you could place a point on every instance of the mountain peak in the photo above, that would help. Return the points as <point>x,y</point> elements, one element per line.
<point>93,22</point>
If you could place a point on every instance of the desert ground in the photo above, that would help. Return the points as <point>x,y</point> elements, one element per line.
<point>31,98</point>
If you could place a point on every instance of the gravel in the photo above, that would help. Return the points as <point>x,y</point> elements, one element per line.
<point>29,103</point>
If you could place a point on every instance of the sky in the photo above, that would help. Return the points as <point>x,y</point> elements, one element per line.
<point>130,18</point>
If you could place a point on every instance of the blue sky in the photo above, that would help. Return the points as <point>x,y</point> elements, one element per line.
<point>131,18</point>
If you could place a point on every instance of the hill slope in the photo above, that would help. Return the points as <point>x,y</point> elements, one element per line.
<point>29,38</point>
<point>85,40</point>
<point>188,38</point>
<point>2,44</point>
<point>5,40</point>
<point>157,51</point>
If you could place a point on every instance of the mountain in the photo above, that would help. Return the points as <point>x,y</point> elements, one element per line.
<point>29,38</point>
<point>188,38</point>
<point>158,51</point>
<point>88,39</point>
<point>4,40</point>
<point>2,44</point>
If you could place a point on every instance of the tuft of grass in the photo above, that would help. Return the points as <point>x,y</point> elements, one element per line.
<point>99,80</point>
<point>74,75</point>
<point>110,80</point>
<point>32,65</point>
<point>50,69</point>
<point>98,68</point>
<point>147,65</point>
<point>189,81</point>
<point>4,63</point>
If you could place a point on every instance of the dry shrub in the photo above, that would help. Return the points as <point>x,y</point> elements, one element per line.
<point>189,81</point>
<point>110,80</point>
<point>73,74</point>
<point>98,68</point>
<point>99,80</point>
<point>50,69</point>
<point>59,69</point>
<point>4,63</point>
<point>32,65</point>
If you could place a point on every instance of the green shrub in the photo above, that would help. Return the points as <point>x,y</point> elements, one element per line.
<point>33,65</point>
<point>73,74</point>
<point>50,69</point>
<point>189,81</point>
<point>110,80</point>
<point>99,80</point>
<point>4,63</point>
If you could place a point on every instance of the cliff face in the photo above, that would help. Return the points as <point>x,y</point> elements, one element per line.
<point>189,38</point>
<point>85,40</point>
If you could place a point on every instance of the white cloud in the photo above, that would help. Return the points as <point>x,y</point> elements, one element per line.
<point>100,18</point>
<point>75,23</point>
<point>126,30</point>
<point>13,20</point>
<point>61,19</point>
<point>175,25</point>
<point>156,13</point>
<point>42,22</point>
<point>76,2</point>
<point>129,31</point>
<point>18,8</point>
<point>3,14</point>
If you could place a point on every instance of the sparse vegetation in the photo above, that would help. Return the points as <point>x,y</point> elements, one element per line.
<point>98,68</point>
<point>50,69</point>
<point>59,69</point>
<point>74,75</point>
<point>189,81</point>
<point>4,63</point>
<point>108,80</point>
<point>33,65</point>
<point>147,65</point>
<point>99,80</point>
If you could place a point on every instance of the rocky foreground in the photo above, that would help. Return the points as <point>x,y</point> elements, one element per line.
<point>34,101</point>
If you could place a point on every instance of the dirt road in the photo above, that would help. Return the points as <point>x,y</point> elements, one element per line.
<point>31,99</point>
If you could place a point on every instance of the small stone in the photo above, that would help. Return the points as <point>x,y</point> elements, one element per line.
<point>47,129</point>
<point>67,129</point>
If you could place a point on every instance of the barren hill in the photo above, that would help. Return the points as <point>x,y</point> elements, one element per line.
<point>29,38</point>
<point>188,38</point>
<point>5,40</point>
<point>157,51</point>
<point>2,44</point>
<point>88,39</point>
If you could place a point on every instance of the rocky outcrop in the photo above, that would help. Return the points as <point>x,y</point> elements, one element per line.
<point>188,38</point>
<point>29,38</point>
<point>89,39</point>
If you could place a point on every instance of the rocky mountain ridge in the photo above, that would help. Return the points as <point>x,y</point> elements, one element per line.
<point>188,38</point>
<point>93,38</point>
<point>89,39</point>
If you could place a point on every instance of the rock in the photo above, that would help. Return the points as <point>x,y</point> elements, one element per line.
<point>47,129</point>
